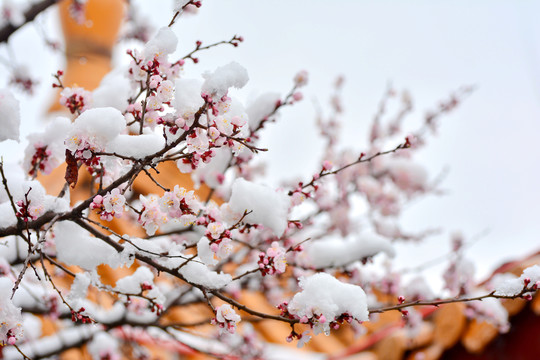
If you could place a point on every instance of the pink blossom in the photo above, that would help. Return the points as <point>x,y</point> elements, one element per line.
<point>155,80</point>
<point>303,339</point>
<point>215,229</point>
<point>327,165</point>
<point>114,201</point>
<point>225,248</point>
<point>154,103</point>
<point>238,121</point>
<point>165,92</point>
<point>297,96</point>
<point>224,125</point>
<point>274,261</point>
<point>197,141</point>
<point>151,216</point>
<point>179,202</point>
<point>301,78</point>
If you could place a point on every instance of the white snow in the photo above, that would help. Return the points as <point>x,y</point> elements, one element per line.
<point>205,253</point>
<point>323,294</point>
<point>218,82</point>
<point>131,284</point>
<point>269,208</point>
<point>163,43</point>
<point>338,252</point>
<point>75,246</point>
<point>7,216</point>
<point>50,344</point>
<point>187,98</point>
<point>31,327</point>
<point>114,90</point>
<point>200,274</point>
<point>513,286</point>
<point>418,288</point>
<point>261,107</point>
<point>79,287</point>
<point>100,125</point>
<point>103,343</point>
<point>10,117</point>
<point>490,310</point>
<point>136,146</point>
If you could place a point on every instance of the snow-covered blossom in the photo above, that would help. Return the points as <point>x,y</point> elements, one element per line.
<point>529,279</point>
<point>144,117</point>
<point>12,12</point>
<point>226,318</point>
<point>490,310</point>
<point>21,78</point>
<point>459,276</point>
<point>10,315</point>
<point>114,91</point>
<point>76,99</point>
<point>325,301</point>
<point>266,206</point>
<point>224,77</point>
<point>163,43</point>
<point>31,203</point>
<point>103,346</point>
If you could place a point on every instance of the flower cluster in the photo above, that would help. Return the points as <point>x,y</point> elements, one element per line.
<point>27,210</point>
<point>76,99</point>
<point>153,64</point>
<point>40,160</point>
<point>109,206</point>
<point>226,318</point>
<point>151,217</point>
<point>180,204</point>
<point>274,261</point>
<point>83,148</point>
<point>79,316</point>
<point>21,79</point>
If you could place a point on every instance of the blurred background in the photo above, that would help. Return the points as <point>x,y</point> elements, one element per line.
<point>431,49</point>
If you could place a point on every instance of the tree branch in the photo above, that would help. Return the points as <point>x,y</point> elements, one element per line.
<point>29,15</point>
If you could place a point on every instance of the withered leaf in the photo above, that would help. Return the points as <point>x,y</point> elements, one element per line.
<point>72,170</point>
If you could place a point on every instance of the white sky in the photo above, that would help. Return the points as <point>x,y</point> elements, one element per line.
<point>430,48</point>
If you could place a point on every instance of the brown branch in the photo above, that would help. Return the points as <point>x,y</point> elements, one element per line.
<point>179,12</point>
<point>175,273</point>
<point>361,159</point>
<point>233,41</point>
<point>452,300</point>
<point>29,15</point>
<point>133,172</point>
